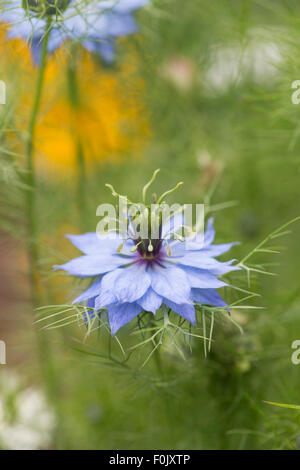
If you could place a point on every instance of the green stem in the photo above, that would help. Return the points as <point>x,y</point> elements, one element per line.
<point>161,372</point>
<point>42,342</point>
<point>31,183</point>
<point>81,186</point>
<point>81,170</point>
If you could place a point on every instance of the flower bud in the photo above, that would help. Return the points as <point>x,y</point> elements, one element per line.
<point>45,7</point>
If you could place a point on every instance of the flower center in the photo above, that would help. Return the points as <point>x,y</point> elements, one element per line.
<point>46,7</point>
<point>149,249</point>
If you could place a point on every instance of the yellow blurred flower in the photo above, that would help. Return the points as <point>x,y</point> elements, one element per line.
<point>110,120</point>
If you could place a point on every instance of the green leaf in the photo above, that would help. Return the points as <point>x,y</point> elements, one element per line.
<point>282,405</point>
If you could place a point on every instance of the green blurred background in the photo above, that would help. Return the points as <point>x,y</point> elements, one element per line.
<point>204,93</point>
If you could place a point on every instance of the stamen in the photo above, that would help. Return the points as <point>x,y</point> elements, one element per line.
<point>175,235</point>
<point>135,247</point>
<point>145,188</point>
<point>169,252</point>
<point>178,237</point>
<point>169,192</point>
<point>115,194</point>
<point>120,247</point>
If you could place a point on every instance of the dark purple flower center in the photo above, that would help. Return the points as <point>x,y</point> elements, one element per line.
<point>150,251</point>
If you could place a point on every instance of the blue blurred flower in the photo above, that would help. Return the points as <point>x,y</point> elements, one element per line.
<point>175,273</point>
<point>95,24</point>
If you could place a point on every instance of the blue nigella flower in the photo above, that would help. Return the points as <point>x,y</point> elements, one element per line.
<point>95,24</point>
<point>137,276</point>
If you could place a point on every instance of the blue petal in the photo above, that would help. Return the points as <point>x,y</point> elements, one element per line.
<point>36,49</point>
<point>106,20</point>
<point>217,250</point>
<point>173,224</point>
<point>202,279</point>
<point>56,38</point>
<point>197,241</point>
<point>99,26</point>
<point>150,301</point>
<point>91,303</point>
<point>109,25</point>
<point>80,22</point>
<point>209,235</point>
<point>119,315</point>
<point>105,48</point>
<point>14,13</point>
<point>197,259</point>
<point>186,311</point>
<point>177,248</point>
<point>86,266</point>
<point>123,6</point>
<point>172,283</point>
<point>126,284</point>
<point>22,31</point>
<point>91,312</point>
<point>105,298</point>
<point>107,51</point>
<point>120,25</point>
<point>90,243</point>
<point>209,297</point>
<point>211,250</point>
<point>92,291</point>
<point>21,25</point>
